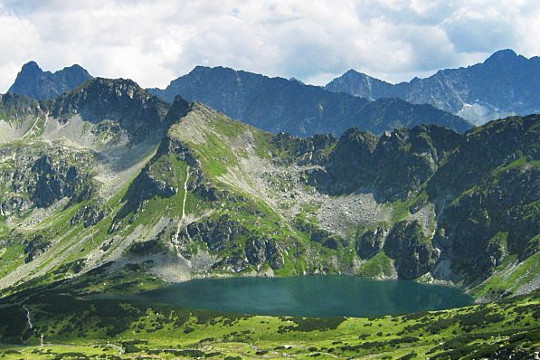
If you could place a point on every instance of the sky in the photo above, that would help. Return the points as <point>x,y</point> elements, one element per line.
<point>156,41</point>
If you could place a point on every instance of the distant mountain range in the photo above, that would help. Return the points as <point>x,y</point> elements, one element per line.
<point>41,85</point>
<point>272,104</point>
<point>505,84</point>
<point>276,104</point>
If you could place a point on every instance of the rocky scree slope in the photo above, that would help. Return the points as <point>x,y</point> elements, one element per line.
<point>276,104</point>
<point>505,84</point>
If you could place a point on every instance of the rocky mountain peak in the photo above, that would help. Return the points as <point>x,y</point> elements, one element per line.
<point>502,56</point>
<point>115,88</point>
<point>354,73</point>
<point>40,85</point>
<point>111,95</point>
<point>201,68</point>
<point>205,72</point>
<point>30,67</point>
<point>118,100</point>
<point>76,67</point>
<point>361,85</point>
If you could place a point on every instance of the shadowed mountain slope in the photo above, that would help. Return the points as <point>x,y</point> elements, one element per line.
<point>275,104</point>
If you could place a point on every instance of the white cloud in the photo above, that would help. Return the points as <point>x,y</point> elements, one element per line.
<point>156,41</point>
<point>16,37</point>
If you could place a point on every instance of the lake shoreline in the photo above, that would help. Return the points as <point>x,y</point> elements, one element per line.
<point>247,295</point>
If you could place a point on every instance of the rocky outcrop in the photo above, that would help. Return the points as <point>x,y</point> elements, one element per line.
<point>226,236</point>
<point>35,247</point>
<point>260,251</point>
<point>486,195</point>
<point>54,180</point>
<point>370,243</point>
<point>17,106</point>
<point>88,216</point>
<point>41,177</point>
<point>318,235</point>
<point>216,234</point>
<point>392,165</point>
<point>412,251</point>
<point>137,112</point>
<point>493,220</point>
<point>303,151</point>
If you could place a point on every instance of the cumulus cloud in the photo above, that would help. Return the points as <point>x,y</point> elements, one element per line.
<point>155,41</point>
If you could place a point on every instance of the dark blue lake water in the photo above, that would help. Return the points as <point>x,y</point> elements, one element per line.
<point>309,296</point>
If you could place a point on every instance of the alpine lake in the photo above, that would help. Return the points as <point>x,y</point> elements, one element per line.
<point>319,296</point>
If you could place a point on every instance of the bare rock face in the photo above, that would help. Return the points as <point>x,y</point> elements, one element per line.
<point>35,247</point>
<point>391,166</point>
<point>88,215</point>
<point>259,251</point>
<point>120,101</point>
<point>370,243</point>
<point>217,234</point>
<point>53,181</point>
<point>413,252</point>
<point>38,178</point>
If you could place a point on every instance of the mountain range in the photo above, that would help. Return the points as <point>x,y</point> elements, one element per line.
<point>505,84</point>
<point>110,189</point>
<point>276,104</point>
<point>272,104</point>
<point>110,174</point>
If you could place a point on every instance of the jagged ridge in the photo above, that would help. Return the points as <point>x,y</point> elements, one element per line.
<point>276,104</point>
<point>505,84</point>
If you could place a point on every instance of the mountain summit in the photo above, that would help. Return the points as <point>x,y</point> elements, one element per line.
<point>40,85</point>
<point>504,57</point>
<point>505,84</point>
